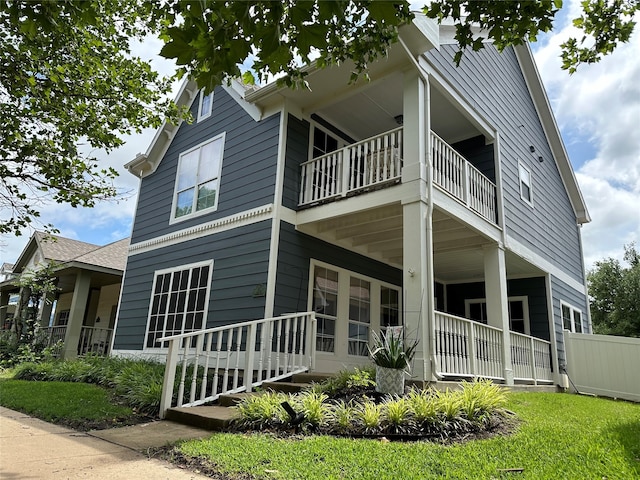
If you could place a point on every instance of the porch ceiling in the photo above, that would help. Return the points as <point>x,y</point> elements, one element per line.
<point>377,233</point>
<point>372,110</point>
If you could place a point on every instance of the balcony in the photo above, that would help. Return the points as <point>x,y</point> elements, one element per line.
<point>377,163</point>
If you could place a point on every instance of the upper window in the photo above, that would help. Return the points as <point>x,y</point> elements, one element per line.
<point>525,183</point>
<point>178,302</point>
<point>323,143</point>
<point>571,318</point>
<point>198,179</point>
<point>205,106</point>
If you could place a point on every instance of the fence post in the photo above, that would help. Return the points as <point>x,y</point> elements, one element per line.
<point>249,355</point>
<point>169,378</point>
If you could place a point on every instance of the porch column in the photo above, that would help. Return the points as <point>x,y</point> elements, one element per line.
<point>76,314</point>
<point>416,243</point>
<point>495,278</point>
<point>4,306</point>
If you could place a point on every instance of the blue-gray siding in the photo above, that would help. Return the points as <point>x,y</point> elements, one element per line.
<point>494,85</point>
<point>248,167</point>
<point>241,262</point>
<point>297,153</point>
<point>294,255</point>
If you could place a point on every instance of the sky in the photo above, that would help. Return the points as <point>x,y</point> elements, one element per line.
<point>597,110</point>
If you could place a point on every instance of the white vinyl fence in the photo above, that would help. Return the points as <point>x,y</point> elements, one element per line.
<point>604,365</point>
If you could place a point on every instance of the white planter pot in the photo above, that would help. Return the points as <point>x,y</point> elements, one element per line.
<point>389,380</point>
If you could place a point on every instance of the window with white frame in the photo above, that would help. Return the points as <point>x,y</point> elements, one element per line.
<point>323,142</point>
<point>198,179</point>
<point>325,304</point>
<point>476,309</point>
<point>359,316</point>
<point>205,106</point>
<point>525,183</point>
<point>179,302</point>
<point>571,318</point>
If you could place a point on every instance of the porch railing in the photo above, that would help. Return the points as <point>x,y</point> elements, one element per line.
<point>530,358</point>
<point>465,348</point>
<point>205,364</point>
<point>92,339</point>
<point>359,166</point>
<point>453,173</point>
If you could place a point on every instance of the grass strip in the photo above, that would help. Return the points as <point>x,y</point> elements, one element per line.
<point>562,436</point>
<point>79,405</point>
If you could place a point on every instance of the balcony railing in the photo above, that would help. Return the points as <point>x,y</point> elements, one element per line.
<point>462,180</point>
<point>377,161</point>
<point>465,348</point>
<point>360,166</point>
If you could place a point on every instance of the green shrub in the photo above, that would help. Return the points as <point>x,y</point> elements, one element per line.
<point>313,405</point>
<point>358,378</point>
<point>424,405</point>
<point>370,415</point>
<point>343,415</point>
<point>397,415</point>
<point>263,410</point>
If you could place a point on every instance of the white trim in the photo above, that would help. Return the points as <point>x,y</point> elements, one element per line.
<point>204,115</point>
<point>156,274</point>
<point>196,213</point>
<point>158,356</point>
<point>237,92</point>
<point>553,336</point>
<point>274,243</point>
<point>528,201</point>
<point>527,254</point>
<point>241,219</point>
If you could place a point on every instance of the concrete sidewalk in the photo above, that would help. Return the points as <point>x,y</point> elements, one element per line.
<point>34,449</point>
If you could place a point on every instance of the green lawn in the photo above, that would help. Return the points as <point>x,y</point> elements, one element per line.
<point>79,405</point>
<point>561,437</point>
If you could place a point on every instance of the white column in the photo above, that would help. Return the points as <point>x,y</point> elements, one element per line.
<point>417,244</point>
<point>495,278</point>
<point>76,314</point>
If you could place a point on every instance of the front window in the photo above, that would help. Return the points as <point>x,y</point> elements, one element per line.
<point>197,182</point>
<point>323,143</point>
<point>325,304</point>
<point>476,309</point>
<point>178,302</point>
<point>359,316</point>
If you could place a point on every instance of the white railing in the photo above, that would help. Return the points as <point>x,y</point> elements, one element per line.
<point>359,166</point>
<point>236,358</point>
<point>94,340</point>
<point>465,348</point>
<point>530,358</point>
<point>462,180</point>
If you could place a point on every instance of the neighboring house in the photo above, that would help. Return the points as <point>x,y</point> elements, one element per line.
<point>8,304</point>
<point>433,197</point>
<point>88,278</point>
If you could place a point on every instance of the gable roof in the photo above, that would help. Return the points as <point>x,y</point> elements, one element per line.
<point>63,250</point>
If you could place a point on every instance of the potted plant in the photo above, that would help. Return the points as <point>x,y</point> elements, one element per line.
<point>392,359</point>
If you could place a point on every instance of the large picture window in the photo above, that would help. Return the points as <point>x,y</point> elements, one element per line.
<point>178,302</point>
<point>198,179</point>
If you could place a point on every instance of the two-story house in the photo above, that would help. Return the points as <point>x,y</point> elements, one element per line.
<point>436,198</point>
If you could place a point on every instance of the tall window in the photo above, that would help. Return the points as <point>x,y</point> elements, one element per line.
<point>389,307</point>
<point>525,183</point>
<point>476,309</point>
<point>359,316</point>
<point>198,179</point>
<point>325,304</point>
<point>178,302</point>
<point>205,105</point>
<point>571,318</point>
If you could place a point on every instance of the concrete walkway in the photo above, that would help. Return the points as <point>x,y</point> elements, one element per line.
<point>34,449</point>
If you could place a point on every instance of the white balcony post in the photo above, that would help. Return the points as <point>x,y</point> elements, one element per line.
<point>495,278</point>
